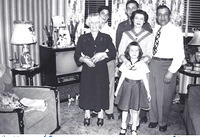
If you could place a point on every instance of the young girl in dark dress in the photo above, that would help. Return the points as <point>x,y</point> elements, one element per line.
<point>129,97</point>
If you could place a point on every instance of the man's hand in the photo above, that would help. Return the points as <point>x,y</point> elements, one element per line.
<point>125,61</point>
<point>99,57</point>
<point>148,96</point>
<point>168,77</point>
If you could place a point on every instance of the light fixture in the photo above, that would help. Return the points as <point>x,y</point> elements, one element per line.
<point>24,35</point>
<point>196,38</point>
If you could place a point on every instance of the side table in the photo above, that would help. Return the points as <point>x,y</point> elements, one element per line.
<point>28,73</point>
<point>186,77</point>
<point>190,73</point>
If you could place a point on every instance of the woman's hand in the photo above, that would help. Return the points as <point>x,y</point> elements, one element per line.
<point>87,60</point>
<point>99,57</point>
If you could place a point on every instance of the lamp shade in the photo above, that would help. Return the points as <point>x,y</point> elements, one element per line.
<point>23,33</point>
<point>196,38</point>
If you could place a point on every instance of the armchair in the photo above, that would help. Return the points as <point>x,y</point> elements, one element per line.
<point>20,121</point>
<point>192,111</point>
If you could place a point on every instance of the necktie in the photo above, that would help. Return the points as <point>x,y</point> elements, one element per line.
<point>155,47</point>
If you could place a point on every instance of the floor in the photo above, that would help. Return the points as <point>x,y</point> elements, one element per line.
<point>72,122</point>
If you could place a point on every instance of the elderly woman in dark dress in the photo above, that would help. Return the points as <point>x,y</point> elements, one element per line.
<point>93,51</point>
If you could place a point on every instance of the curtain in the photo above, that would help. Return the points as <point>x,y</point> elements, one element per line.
<point>176,6</point>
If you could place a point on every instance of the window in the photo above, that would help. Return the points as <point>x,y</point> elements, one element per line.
<point>193,15</point>
<point>91,6</point>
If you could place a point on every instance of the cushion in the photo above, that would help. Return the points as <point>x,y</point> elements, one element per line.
<point>9,101</point>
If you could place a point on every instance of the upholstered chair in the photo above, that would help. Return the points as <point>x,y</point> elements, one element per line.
<point>21,121</point>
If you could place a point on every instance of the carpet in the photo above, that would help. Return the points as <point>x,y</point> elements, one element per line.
<point>72,123</point>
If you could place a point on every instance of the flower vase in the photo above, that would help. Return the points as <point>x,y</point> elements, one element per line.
<point>72,38</point>
<point>50,41</point>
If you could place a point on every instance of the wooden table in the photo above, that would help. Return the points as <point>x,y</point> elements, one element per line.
<point>28,73</point>
<point>190,73</point>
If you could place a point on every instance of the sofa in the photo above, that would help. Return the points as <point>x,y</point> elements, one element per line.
<point>192,110</point>
<point>20,121</point>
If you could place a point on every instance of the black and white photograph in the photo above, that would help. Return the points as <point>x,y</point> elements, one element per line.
<point>99,67</point>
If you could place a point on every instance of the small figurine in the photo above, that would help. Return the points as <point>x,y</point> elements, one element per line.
<point>63,38</point>
<point>26,60</point>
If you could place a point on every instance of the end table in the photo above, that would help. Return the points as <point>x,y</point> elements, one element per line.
<point>28,73</point>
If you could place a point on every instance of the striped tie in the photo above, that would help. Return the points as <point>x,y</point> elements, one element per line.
<point>155,47</point>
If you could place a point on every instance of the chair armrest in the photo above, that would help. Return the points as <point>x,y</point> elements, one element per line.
<point>12,121</point>
<point>193,87</point>
<point>49,94</point>
<point>35,92</point>
<point>193,106</point>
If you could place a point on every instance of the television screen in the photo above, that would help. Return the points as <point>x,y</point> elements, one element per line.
<point>65,63</point>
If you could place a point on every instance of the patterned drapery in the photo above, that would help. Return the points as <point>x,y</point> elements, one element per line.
<point>176,6</point>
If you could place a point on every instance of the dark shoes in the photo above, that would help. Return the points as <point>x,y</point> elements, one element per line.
<point>162,128</point>
<point>153,124</point>
<point>143,119</point>
<point>122,131</point>
<point>86,121</point>
<point>133,132</point>
<point>110,116</point>
<point>99,122</point>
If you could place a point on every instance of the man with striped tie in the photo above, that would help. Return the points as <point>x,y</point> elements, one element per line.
<point>168,55</point>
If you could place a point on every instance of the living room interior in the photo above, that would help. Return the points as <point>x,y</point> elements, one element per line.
<point>48,30</point>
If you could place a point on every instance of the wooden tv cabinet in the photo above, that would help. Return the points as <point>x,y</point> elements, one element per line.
<point>48,67</point>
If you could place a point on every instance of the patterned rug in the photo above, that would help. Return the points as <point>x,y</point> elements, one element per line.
<point>72,123</point>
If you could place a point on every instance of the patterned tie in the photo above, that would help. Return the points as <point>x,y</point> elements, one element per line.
<point>155,47</point>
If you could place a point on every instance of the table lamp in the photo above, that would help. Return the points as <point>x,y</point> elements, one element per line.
<point>23,35</point>
<point>196,42</point>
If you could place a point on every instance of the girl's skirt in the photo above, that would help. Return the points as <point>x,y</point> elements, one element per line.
<point>132,95</point>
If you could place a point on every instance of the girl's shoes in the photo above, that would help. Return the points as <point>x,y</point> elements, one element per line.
<point>133,132</point>
<point>123,131</point>
<point>100,122</point>
<point>86,121</point>
<point>129,126</point>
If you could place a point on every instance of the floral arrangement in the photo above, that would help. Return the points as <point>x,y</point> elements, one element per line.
<point>72,27</point>
<point>49,35</point>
